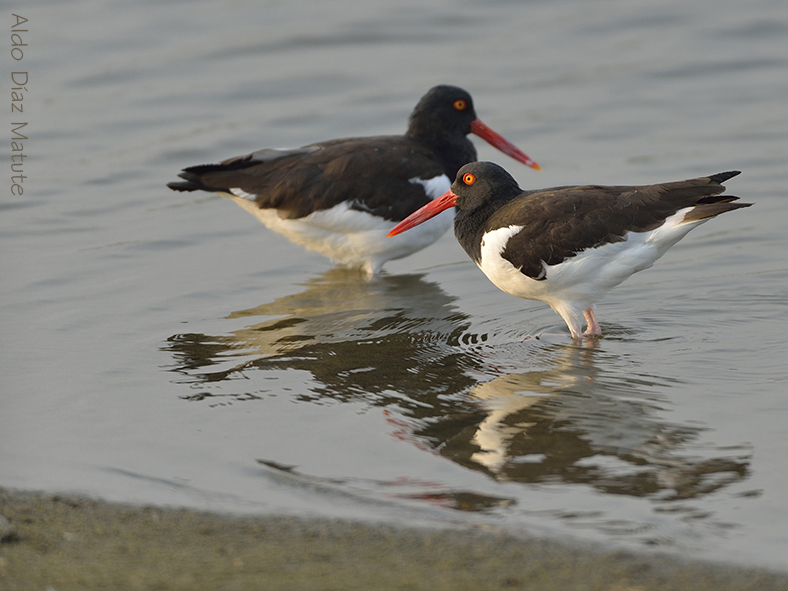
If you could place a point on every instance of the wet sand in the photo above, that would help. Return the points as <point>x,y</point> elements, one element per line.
<point>63,543</point>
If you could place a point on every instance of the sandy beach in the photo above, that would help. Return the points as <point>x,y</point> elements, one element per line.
<point>63,543</point>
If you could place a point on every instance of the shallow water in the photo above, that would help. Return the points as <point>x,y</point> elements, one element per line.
<point>166,348</point>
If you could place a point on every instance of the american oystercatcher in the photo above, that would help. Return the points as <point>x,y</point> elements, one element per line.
<point>341,197</point>
<point>567,246</point>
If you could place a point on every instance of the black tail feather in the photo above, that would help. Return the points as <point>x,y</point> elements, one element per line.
<point>709,210</point>
<point>237,163</point>
<point>721,177</point>
<point>192,183</point>
<point>186,186</point>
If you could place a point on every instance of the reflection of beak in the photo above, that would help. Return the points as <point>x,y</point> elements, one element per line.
<point>420,216</point>
<point>504,145</point>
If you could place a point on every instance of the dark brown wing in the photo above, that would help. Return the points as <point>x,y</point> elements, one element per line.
<point>559,223</point>
<point>373,173</point>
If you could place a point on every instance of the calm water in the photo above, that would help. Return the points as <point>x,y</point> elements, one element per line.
<point>166,348</point>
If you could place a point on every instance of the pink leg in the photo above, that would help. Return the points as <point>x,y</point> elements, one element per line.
<point>593,326</point>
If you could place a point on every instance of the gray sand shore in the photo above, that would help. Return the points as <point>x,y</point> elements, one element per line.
<point>63,543</point>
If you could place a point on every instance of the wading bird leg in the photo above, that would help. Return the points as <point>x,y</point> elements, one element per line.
<point>593,326</point>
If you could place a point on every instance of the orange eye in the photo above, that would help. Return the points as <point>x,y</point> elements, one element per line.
<point>468,178</point>
<point>460,105</point>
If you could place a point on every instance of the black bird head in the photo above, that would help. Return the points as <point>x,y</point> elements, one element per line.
<point>478,183</point>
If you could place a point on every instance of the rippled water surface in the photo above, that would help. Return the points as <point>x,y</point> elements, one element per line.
<point>166,348</point>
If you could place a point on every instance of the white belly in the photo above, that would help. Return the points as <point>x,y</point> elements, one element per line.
<point>351,237</point>
<point>581,280</point>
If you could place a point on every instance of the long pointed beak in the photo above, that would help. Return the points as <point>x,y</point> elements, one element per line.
<point>421,215</point>
<point>504,145</point>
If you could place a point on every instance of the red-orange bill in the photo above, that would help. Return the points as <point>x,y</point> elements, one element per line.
<point>504,145</point>
<point>421,215</point>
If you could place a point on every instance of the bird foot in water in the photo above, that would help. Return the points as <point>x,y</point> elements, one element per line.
<point>593,329</point>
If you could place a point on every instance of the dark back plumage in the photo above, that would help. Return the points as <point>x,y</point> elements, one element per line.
<point>560,222</point>
<point>374,172</point>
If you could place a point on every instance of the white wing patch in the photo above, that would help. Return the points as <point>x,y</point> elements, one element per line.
<point>434,187</point>
<point>243,194</point>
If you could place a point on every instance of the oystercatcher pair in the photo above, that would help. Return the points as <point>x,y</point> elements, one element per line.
<point>341,197</point>
<point>567,246</point>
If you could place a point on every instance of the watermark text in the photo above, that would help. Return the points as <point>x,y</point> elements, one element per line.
<point>19,82</point>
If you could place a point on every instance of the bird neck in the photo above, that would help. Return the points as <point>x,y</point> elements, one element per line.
<point>453,149</point>
<point>470,226</point>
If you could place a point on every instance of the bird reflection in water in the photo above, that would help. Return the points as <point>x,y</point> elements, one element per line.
<point>577,423</point>
<point>576,415</point>
<point>356,339</point>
